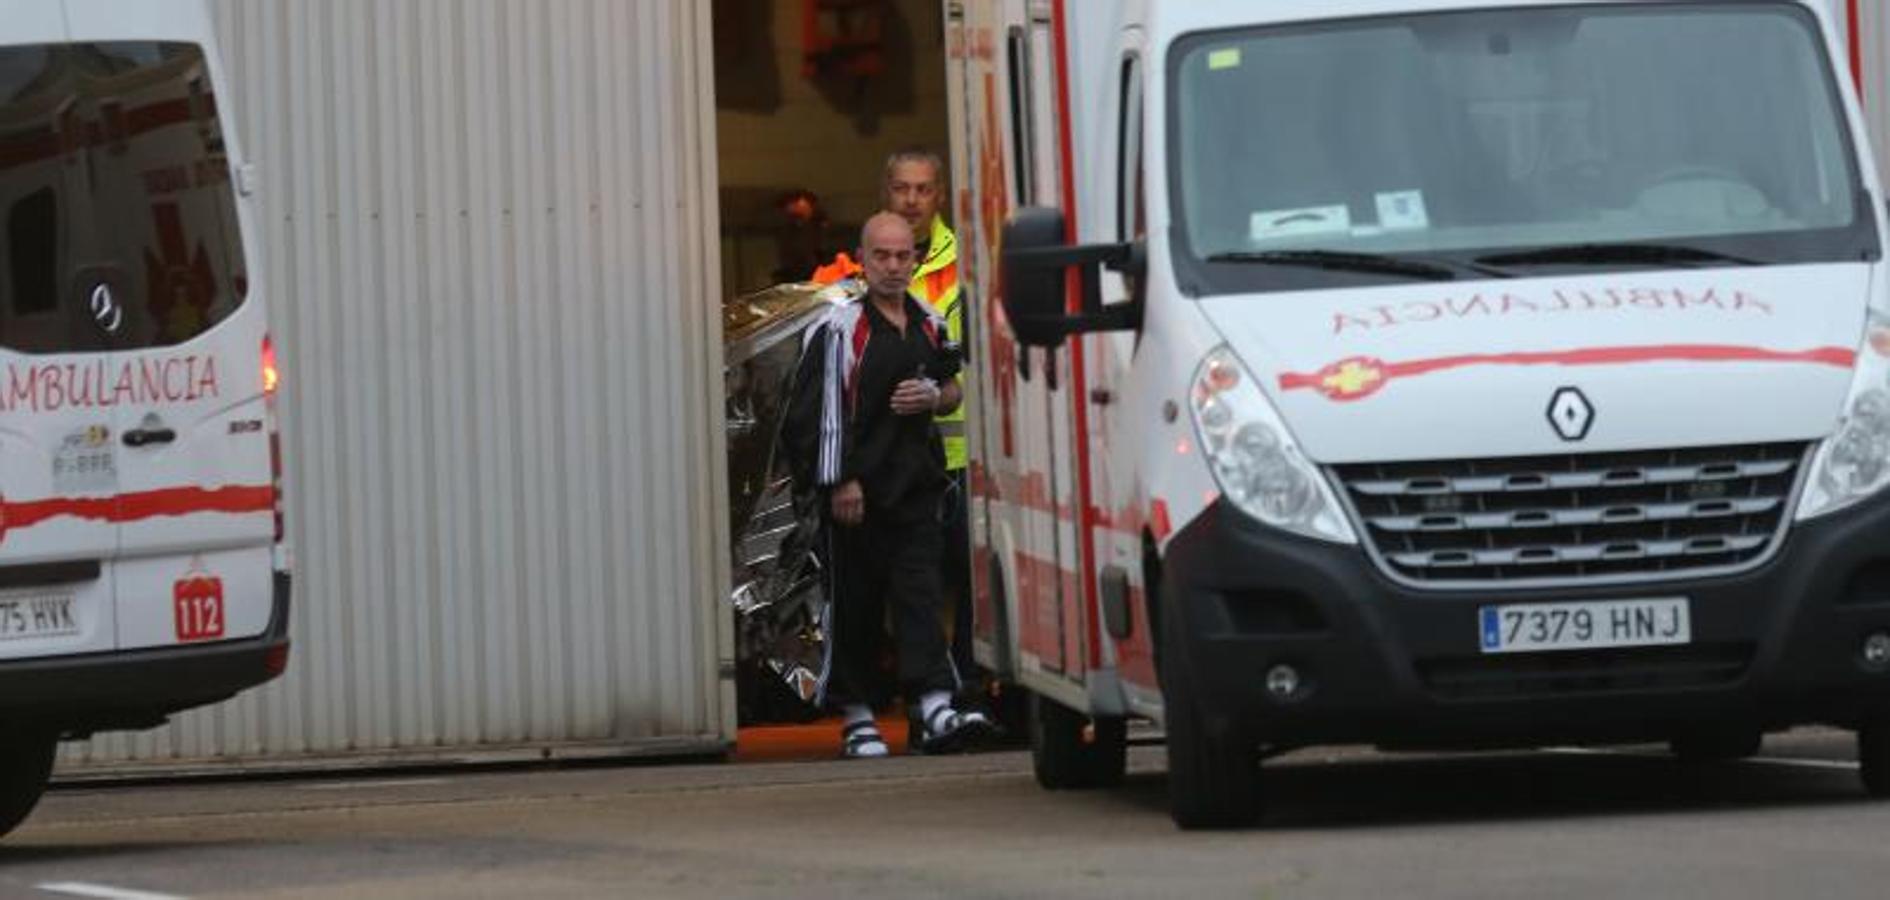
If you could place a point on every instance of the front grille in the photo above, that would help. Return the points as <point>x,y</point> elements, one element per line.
<point>1574,517</point>
<point>1585,672</point>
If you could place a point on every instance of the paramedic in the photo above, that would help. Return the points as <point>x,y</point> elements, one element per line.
<point>913,188</point>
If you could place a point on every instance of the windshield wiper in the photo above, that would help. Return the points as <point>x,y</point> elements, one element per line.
<point>1339,261</point>
<point>1645,254</point>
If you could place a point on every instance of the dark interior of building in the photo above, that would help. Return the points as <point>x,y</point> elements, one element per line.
<point>811,96</point>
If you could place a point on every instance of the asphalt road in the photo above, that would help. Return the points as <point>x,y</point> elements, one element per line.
<point>1792,824</point>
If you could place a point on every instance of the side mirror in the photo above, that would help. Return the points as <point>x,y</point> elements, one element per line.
<point>1035,288</point>
<point>1036,280</point>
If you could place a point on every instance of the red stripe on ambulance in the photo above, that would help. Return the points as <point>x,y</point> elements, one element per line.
<point>1359,377</point>
<point>137,507</point>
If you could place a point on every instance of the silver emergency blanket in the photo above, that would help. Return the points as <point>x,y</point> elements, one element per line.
<point>781,618</point>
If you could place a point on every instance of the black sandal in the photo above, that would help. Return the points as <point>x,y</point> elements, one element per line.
<point>948,730</point>
<point>862,740</point>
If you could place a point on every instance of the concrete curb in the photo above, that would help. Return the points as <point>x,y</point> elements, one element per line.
<point>655,750</point>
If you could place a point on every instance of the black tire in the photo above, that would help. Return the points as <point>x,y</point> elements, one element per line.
<point>1213,764</point>
<point>25,766</point>
<point>1716,746</point>
<point>1873,757</point>
<point>1010,709</point>
<point>1062,756</point>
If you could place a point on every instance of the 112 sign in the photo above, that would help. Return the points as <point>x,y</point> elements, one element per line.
<point>199,608</point>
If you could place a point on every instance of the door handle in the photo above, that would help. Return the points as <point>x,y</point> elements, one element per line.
<point>141,437</point>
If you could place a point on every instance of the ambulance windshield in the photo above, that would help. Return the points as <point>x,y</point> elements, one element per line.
<point>1515,141</point>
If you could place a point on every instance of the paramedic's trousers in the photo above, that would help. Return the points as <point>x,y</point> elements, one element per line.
<point>888,573</point>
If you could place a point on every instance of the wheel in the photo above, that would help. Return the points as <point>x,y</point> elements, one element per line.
<point>1873,757</point>
<point>1068,754</point>
<point>1716,746</point>
<point>25,767</point>
<point>1213,764</point>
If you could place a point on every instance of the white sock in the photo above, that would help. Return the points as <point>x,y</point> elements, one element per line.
<point>856,713</point>
<point>931,702</point>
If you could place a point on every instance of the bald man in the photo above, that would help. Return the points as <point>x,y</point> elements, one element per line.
<point>859,434</point>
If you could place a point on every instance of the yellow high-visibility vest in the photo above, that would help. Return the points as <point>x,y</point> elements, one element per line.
<point>936,282</point>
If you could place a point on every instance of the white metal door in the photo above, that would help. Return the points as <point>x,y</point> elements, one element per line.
<point>58,481</point>
<point>1026,437</point>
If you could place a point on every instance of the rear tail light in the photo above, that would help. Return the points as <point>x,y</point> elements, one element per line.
<point>271,376</point>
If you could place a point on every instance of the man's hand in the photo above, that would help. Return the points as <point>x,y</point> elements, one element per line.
<point>916,397</point>
<point>849,504</point>
<point>949,397</point>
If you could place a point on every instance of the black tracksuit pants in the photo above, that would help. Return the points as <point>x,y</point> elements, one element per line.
<point>957,575</point>
<point>880,567</point>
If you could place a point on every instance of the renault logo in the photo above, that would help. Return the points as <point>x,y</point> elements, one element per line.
<point>105,309</point>
<point>1570,414</point>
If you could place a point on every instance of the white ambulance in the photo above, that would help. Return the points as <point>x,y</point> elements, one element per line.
<point>142,567</point>
<point>1423,373</point>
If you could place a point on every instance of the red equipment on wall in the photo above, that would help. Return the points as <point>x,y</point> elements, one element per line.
<point>843,38</point>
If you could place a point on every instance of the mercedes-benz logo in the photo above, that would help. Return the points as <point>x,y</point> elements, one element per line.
<point>105,309</point>
<point>1570,414</point>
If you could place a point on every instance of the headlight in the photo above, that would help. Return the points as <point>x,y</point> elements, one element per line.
<point>1855,462</point>
<point>1254,460</point>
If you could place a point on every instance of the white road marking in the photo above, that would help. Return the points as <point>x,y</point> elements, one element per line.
<point>1803,763</point>
<point>1751,760</point>
<point>102,891</point>
<point>368,785</point>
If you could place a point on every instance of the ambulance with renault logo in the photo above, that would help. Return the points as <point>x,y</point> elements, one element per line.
<point>1423,374</point>
<point>142,564</point>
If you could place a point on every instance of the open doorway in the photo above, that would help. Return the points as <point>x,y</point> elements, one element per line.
<point>812,96</point>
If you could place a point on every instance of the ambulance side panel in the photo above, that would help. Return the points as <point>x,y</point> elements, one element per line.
<point>1026,517</point>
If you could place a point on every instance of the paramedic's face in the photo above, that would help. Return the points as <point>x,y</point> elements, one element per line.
<point>887,254</point>
<point>912,192</point>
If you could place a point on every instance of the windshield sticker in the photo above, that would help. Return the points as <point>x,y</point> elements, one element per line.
<point>1479,306</point>
<point>1402,211</point>
<point>1228,58</point>
<point>1362,376</point>
<point>85,463</point>
<point>50,387</point>
<point>1279,223</point>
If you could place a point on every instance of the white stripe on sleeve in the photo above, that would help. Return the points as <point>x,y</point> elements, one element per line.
<point>830,418</point>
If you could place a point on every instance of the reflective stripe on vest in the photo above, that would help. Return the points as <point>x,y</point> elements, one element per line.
<point>937,284</point>
<point>936,281</point>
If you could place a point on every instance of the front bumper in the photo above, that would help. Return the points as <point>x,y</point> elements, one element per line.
<point>1386,664</point>
<point>78,695</point>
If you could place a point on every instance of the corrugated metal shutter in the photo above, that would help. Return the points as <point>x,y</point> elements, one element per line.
<point>489,236</point>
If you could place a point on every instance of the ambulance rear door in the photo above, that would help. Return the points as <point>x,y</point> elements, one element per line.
<point>195,549</point>
<point>58,463</point>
